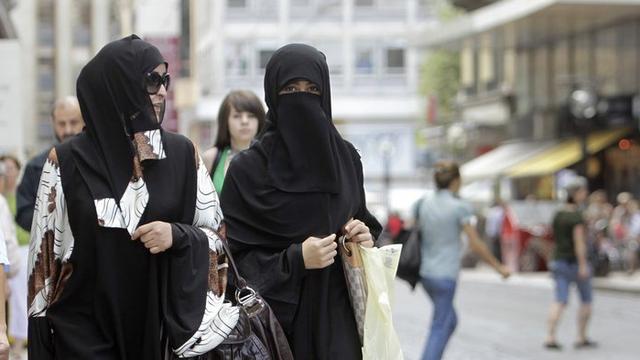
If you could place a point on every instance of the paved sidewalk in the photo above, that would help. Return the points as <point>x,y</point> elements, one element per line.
<point>616,281</point>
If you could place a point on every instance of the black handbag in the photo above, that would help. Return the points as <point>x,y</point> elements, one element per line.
<point>411,254</point>
<point>258,334</point>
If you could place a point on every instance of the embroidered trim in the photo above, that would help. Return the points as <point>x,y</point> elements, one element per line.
<point>149,145</point>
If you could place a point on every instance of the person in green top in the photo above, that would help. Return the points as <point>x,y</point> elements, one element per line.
<point>240,118</point>
<point>570,264</point>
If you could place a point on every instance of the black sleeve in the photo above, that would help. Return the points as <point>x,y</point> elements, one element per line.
<point>276,274</point>
<point>40,339</point>
<point>26,196</point>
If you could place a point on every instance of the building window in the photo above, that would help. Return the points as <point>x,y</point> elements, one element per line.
<point>252,10</point>
<point>263,57</point>
<point>237,62</point>
<point>364,61</point>
<point>627,55</point>
<point>303,10</point>
<point>364,3</point>
<point>236,4</point>
<point>300,3</point>
<point>395,63</point>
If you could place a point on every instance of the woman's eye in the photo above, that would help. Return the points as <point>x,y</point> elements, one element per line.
<point>290,89</point>
<point>314,89</point>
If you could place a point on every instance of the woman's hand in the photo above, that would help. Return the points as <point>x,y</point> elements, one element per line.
<point>318,253</point>
<point>155,236</point>
<point>359,233</point>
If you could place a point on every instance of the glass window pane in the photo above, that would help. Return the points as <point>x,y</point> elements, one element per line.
<point>237,61</point>
<point>364,3</point>
<point>364,61</point>
<point>264,56</point>
<point>606,61</point>
<point>237,3</point>
<point>395,61</point>
<point>627,53</point>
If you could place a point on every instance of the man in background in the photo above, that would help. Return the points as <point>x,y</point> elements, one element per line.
<point>67,122</point>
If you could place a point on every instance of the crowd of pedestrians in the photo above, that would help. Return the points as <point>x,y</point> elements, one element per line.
<point>613,232</point>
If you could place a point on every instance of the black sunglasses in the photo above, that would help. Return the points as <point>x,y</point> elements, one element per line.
<point>153,81</point>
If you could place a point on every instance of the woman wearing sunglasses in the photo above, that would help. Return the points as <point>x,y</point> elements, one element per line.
<point>240,118</point>
<point>287,197</point>
<point>119,263</point>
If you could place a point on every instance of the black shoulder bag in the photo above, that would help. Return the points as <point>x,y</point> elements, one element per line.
<point>411,254</point>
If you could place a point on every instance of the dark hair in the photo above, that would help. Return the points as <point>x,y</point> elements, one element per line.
<point>12,158</point>
<point>573,187</point>
<point>445,172</point>
<point>240,100</point>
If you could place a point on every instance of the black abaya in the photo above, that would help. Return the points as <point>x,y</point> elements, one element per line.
<point>299,179</point>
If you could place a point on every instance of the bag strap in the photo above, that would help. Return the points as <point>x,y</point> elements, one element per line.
<point>240,281</point>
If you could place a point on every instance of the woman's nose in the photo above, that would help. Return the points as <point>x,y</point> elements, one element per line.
<point>163,91</point>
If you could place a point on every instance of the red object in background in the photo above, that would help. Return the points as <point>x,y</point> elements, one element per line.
<point>432,109</point>
<point>624,144</point>
<point>481,150</point>
<point>509,243</point>
<point>394,225</point>
<point>525,248</point>
<point>169,47</point>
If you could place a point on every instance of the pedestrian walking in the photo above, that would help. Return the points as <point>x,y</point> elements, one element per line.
<point>287,197</point>
<point>123,237</point>
<point>570,264</point>
<point>18,282</point>
<point>443,217</point>
<point>240,118</point>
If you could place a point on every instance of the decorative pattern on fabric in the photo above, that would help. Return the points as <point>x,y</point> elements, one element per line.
<point>219,317</point>
<point>51,241</point>
<point>128,214</point>
<point>149,145</point>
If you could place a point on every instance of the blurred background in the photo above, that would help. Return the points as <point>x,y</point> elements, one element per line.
<point>526,94</point>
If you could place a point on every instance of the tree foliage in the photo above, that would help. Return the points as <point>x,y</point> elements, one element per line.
<point>440,77</point>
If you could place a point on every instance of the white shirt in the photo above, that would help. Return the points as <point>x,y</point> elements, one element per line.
<point>3,250</point>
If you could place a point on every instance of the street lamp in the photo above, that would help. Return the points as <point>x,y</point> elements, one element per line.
<point>583,106</point>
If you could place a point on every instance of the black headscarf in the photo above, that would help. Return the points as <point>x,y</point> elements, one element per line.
<point>114,105</point>
<point>305,151</point>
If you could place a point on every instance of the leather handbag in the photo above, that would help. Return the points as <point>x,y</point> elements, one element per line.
<point>356,280</point>
<point>258,334</point>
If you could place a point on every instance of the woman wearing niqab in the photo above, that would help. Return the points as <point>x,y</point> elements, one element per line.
<point>124,256</point>
<point>286,199</point>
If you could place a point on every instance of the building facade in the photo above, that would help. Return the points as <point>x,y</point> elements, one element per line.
<point>57,37</point>
<point>521,65</point>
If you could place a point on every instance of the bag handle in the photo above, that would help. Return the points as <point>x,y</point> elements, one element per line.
<point>245,295</point>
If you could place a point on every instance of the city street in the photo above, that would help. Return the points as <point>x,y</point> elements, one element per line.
<point>506,320</point>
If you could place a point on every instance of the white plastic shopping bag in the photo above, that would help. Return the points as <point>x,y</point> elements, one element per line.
<point>380,339</point>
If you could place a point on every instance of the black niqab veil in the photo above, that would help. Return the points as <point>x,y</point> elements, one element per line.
<point>305,151</point>
<point>113,111</point>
